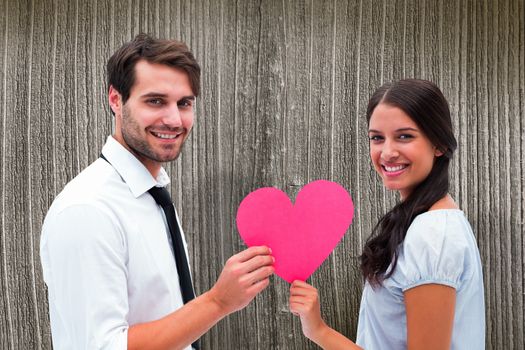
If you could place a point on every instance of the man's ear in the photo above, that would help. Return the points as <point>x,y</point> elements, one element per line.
<point>115,100</point>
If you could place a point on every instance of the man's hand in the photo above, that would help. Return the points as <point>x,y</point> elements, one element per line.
<point>244,276</point>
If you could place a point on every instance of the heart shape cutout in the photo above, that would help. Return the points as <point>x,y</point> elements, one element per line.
<point>301,236</point>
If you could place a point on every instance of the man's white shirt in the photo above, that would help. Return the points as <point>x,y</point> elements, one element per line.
<point>106,254</point>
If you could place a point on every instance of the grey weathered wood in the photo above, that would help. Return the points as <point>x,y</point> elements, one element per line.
<point>285,89</point>
<point>6,319</point>
<point>40,181</point>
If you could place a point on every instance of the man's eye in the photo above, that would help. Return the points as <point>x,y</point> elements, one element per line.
<point>155,101</point>
<point>184,103</point>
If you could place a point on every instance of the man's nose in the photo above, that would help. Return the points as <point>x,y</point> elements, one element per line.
<point>173,117</point>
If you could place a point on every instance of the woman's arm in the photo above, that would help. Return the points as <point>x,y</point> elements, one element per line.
<point>304,302</point>
<point>430,316</point>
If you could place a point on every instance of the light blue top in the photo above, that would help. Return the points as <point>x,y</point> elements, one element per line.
<point>440,248</point>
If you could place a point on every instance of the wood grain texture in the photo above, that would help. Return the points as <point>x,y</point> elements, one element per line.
<point>285,86</point>
<point>6,318</point>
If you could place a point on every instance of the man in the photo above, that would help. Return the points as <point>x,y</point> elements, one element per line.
<point>106,245</point>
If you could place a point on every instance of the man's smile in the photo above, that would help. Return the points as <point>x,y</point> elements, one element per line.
<point>165,136</point>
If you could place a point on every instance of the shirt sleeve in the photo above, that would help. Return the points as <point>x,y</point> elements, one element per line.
<point>84,262</point>
<point>433,252</point>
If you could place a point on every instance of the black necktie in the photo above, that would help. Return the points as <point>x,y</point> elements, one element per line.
<point>163,198</point>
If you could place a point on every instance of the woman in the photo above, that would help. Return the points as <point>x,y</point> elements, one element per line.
<point>423,280</point>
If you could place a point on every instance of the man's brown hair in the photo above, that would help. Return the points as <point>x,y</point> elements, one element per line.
<point>173,53</point>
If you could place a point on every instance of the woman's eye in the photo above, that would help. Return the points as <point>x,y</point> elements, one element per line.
<point>405,136</point>
<point>375,138</point>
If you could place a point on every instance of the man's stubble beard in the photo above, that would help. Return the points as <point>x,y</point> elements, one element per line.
<point>139,146</point>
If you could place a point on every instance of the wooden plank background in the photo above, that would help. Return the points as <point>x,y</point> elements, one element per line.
<point>285,88</point>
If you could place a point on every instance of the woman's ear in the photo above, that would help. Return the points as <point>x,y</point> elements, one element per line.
<point>438,152</point>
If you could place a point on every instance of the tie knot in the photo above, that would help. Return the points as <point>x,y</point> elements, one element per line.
<point>161,196</point>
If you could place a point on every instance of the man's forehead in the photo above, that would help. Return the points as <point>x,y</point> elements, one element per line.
<point>160,79</point>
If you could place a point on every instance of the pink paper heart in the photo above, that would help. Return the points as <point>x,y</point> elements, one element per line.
<point>301,236</point>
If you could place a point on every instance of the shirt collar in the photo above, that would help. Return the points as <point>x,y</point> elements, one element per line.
<point>132,171</point>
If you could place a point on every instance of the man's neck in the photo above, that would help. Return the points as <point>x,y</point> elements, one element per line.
<point>152,165</point>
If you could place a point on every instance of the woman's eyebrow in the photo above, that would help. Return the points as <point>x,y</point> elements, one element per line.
<point>407,129</point>
<point>398,130</point>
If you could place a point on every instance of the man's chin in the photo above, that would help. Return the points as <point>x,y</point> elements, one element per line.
<point>160,157</point>
<point>165,153</point>
<point>165,158</point>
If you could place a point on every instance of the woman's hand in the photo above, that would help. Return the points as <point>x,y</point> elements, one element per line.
<point>304,302</point>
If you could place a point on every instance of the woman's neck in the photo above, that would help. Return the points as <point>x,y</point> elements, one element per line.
<point>446,202</point>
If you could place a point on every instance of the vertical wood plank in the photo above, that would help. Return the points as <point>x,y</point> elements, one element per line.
<point>269,158</point>
<point>370,63</point>
<point>65,128</point>
<point>189,203</point>
<point>515,256</point>
<point>470,112</point>
<point>505,209</point>
<point>520,248</point>
<point>482,157</point>
<point>497,311</point>
<point>325,119</point>
<point>450,42</point>
<point>320,122</point>
<point>21,285</point>
<point>40,155</point>
<point>411,41</point>
<point>216,119</point>
<point>347,141</point>
<point>100,117</point>
<point>6,318</point>
<point>121,20</point>
<point>206,149</point>
<point>247,35</point>
<point>298,65</point>
<point>85,93</point>
<point>172,19</point>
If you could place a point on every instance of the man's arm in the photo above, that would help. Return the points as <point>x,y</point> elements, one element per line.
<point>84,257</point>
<point>84,262</point>
<point>243,277</point>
